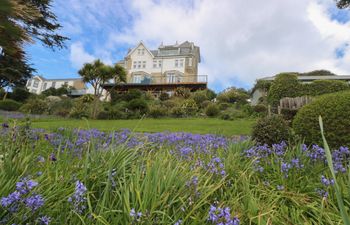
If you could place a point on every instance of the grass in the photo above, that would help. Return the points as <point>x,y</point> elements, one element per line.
<point>192,125</point>
<point>157,179</point>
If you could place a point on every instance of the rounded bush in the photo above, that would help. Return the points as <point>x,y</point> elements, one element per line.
<point>164,96</point>
<point>270,130</point>
<point>335,111</point>
<point>9,105</point>
<point>260,108</point>
<point>212,110</point>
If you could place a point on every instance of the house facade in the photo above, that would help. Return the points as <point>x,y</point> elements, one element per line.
<point>165,68</point>
<point>38,84</point>
<point>258,93</point>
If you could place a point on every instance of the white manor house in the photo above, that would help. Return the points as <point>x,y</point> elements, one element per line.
<point>163,69</point>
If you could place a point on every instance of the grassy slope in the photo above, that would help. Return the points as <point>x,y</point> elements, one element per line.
<point>195,125</point>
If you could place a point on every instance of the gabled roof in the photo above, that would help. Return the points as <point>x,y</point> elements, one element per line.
<point>134,49</point>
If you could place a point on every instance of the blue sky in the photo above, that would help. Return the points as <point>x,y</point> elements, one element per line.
<point>240,40</point>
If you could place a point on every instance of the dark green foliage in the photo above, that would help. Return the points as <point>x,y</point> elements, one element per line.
<point>270,130</point>
<point>260,109</point>
<point>35,106</point>
<point>182,92</point>
<point>289,114</point>
<point>138,105</point>
<point>9,105</point>
<point>234,95</point>
<point>284,85</point>
<point>190,107</point>
<point>342,4</point>
<point>263,85</point>
<point>335,111</point>
<point>157,111</point>
<point>62,107</point>
<point>20,94</point>
<point>177,112</point>
<point>212,110</point>
<point>56,92</point>
<point>203,95</point>
<point>163,96</point>
<point>318,73</point>
<point>224,105</point>
<point>320,87</point>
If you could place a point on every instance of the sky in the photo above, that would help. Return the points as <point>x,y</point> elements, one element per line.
<point>240,40</point>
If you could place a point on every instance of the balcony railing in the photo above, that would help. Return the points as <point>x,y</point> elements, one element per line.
<point>170,79</point>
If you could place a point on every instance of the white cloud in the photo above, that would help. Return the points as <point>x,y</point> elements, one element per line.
<point>78,55</point>
<point>243,40</point>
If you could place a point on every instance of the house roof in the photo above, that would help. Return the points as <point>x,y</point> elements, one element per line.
<point>184,49</point>
<point>63,79</point>
<point>312,78</point>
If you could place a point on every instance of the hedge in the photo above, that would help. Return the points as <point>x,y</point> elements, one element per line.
<point>335,111</point>
<point>9,105</point>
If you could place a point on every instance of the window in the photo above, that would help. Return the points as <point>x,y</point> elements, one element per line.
<point>29,83</point>
<point>176,63</point>
<point>171,78</point>
<point>139,51</point>
<point>154,63</point>
<point>137,79</point>
<point>134,65</point>
<point>142,51</point>
<point>190,62</point>
<point>36,84</point>
<point>45,85</point>
<point>139,64</point>
<point>181,63</point>
<point>144,64</point>
<point>66,83</point>
<point>160,63</point>
<point>53,84</point>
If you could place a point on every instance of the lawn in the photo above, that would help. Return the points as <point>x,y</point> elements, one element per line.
<point>193,125</point>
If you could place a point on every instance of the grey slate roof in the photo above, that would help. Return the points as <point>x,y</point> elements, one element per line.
<point>184,49</point>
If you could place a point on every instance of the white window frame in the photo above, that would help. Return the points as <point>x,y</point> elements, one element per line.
<point>143,64</point>
<point>135,65</point>
<point>176,63</point>
<point>36,84</point>
<point>154,63</point>
<point>44,86</point>
<point>53,84</point>
<point>139,64</point>
<point>159,63</point>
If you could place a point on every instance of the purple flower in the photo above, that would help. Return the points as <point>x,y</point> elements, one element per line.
<point>34,202</point>
<point>327,182</point>
<point>179,222</point>
<point>221,216</point>
<point>280,187</point>
<point>78,199</point>
<point>44,220</point>
<point>10,199</point>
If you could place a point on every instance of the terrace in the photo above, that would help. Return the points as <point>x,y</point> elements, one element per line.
<point>160,83</point>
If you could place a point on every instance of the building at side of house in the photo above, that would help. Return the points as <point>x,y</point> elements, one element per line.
<point>163,69</point>
<point>258,93</point>
<point>38,84</point>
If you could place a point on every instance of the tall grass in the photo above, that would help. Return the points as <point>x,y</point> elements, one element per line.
<point>153,180</point>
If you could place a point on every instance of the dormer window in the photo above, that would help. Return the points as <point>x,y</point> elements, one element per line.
<point>181,63</point>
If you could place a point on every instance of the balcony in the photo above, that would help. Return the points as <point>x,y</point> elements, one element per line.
<point>160,83</point>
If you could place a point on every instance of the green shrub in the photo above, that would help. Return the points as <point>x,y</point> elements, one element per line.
<point>284,85</point>
<point>260,109</point>
<point>270,130</point>
<point>335,111</point>
<point>205,104</point>
<point>20,94</point>
<point>289,114</point>
<point>103,115</point>
<point>35,106</point>
<point>9,105</point>
<point>224,105</point>
<point>182,92</point>
<point>178,112</point>
<point>139,105</point>
<point>225,116</point>
<point>190,107</point>
<point>164,96</point>
<point>320,87</point>
<point>212,110</point>
<point>234,95</point>
<point>62,107</point>
<point>157,111</point>
<point>200,96</point>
